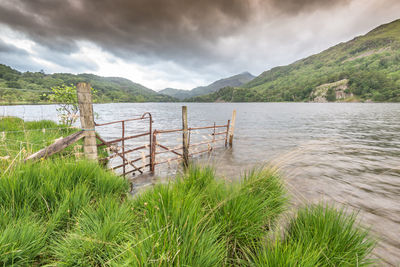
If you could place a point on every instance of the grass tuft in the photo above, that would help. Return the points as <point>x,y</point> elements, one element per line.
<point>319,236</point>
<point>21,240</point>
<point>63,212</point>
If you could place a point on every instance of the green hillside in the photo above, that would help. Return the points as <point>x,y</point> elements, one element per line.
<point>236,80</point>
<point>177,93</point>
<point>366,68</point>
<point>32,87</point>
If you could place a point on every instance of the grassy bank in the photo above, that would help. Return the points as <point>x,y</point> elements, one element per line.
<point>74,213</point>
<point>19,138</point>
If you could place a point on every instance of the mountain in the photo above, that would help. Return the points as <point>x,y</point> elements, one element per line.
<point>366,68</point>
<point>236,80</point>
<point>32,87</point>
<point>176,93</point>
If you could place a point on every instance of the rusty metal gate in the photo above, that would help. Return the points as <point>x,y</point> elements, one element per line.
<point>177,151</point>
<point>117,147</point>
<point>159,151</point>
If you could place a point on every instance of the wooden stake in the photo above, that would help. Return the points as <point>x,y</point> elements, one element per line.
<point>185,141</point>
<point>232,127</point>
<point>227,133</point>
<point>87,119</point>
<point>214,134</point>
<point>57,146</point>
<point>123,148</point>
<point>152,159</point>
<point>153,152</point>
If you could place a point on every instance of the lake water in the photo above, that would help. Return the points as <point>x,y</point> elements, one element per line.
<point>343,153</point>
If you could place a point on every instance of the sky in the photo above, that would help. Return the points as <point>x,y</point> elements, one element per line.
<point>178,43</point>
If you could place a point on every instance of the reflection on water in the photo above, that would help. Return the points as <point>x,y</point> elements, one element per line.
<point>342,153</point>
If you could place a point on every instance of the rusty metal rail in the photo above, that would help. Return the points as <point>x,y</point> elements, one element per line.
<point>124,153</point>
<point>179,150</point>
<point>118,147</point>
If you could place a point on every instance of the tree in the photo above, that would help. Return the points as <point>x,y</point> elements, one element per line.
<point>331,95</point>
<point>67,100</point>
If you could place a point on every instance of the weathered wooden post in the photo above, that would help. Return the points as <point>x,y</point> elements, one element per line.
<point>227,133</point>
<point>153,152</point>
<point>123,148</point>
<point>185,141</point>
<point>87,119</point>
<point>232,127</point>
<point>214,134</point>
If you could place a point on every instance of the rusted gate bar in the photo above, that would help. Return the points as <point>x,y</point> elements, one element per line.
<point>125,138</point>
<point>125,152</point>
<point>153,144</point>
<point>119,154</point>
<point>174,150</point>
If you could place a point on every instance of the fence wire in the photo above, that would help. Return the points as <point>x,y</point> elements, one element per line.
<point>23,133</point>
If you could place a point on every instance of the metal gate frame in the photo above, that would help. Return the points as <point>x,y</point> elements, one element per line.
<point>122,155</point>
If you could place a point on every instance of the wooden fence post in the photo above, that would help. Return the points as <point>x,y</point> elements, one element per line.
<point>87,119</point>
<point>185,143</point>
<point>227,133</point>
<point>232,127</point>
<point>153,152</point>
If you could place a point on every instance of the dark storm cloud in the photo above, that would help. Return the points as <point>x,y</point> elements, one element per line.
<point>180,30</point>
<point>296,6</point>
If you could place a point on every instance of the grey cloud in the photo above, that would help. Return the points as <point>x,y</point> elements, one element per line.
<point>16,57</point>
<point>296,6</point>
<point>23,61</point>
<point>8,48</point>
<point>203,39</point>
<point>66,61</point>
<point>180,30</point>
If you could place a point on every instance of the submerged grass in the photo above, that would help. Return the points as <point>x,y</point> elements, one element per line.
<point>74,213</point>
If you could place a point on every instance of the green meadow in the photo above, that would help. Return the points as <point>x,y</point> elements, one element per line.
<point>67,211</point>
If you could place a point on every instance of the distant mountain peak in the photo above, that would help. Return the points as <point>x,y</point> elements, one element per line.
<point>235,80</point>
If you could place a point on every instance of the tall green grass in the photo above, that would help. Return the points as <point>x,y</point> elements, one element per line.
<point>19,138</point>
<point>64,212</point>
<point>50,195</point>
<point>98,236</point>
<point>319,236</point>
<point>200,221</point>
<point>341,240</point>
<point>22,239</point>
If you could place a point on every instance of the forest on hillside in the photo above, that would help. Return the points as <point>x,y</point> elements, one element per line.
<point>35,87</point>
